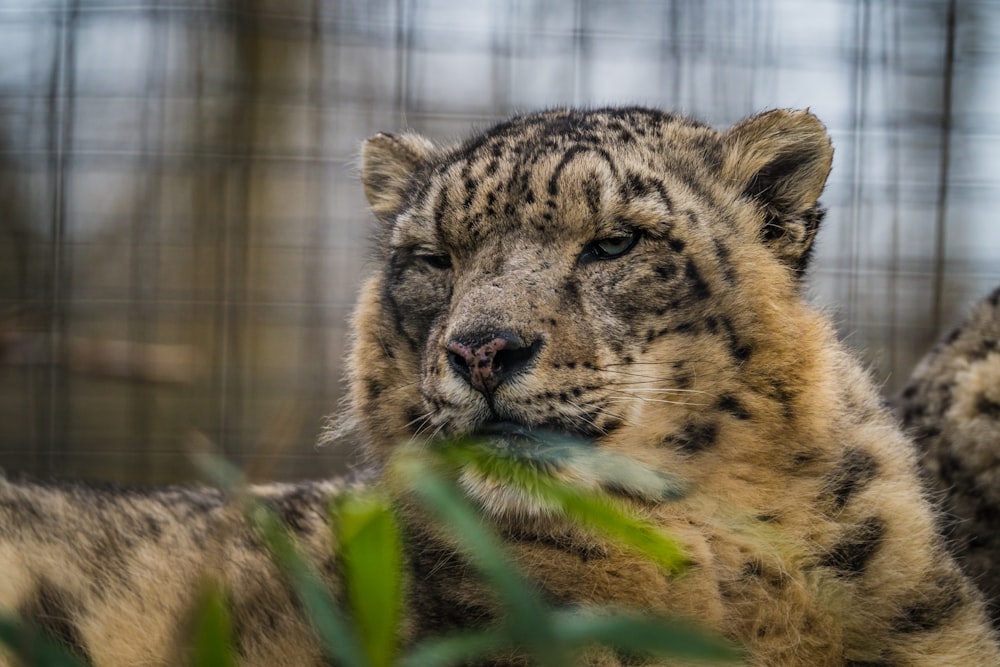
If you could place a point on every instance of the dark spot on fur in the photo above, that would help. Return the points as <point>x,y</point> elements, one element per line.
<point>739,350</point>
<point>611,425</point>
<point>676,244</point>
<point>858,545</point>
<point>413,417</point>
<point>777,390</point>
<point>666,270</point>
<point>914,412</point>
<point>855,470</point>
<point>152,528</point>
<point>732,405</point>
<point>53,612</point>
<point>571,290</point>
<point>725,259</point>
<point>934,605</point>
<point>296,508</point>
<point>374,388</point>
<point>985,348</point>
<point>698,285</point>
<point>693,438</point>
<point>987,407</point>
<point>802,460</point>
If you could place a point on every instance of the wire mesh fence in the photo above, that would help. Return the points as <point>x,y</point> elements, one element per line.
<point>182,231</point>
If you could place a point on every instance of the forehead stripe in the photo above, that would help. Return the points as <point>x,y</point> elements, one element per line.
<point>569,156</point>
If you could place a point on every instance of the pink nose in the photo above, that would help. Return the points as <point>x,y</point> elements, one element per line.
<point>485,361</point>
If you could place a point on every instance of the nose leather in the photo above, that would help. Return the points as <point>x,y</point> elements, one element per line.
<point>485,361</point>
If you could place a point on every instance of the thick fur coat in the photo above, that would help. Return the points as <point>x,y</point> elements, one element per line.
<point>624,276</point>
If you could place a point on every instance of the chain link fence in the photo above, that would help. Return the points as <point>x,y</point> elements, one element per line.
<point>182,230</point>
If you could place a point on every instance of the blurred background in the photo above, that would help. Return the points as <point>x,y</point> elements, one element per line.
<point>182,230</point>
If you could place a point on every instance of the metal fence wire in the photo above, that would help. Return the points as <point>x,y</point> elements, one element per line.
<point>182,230</point>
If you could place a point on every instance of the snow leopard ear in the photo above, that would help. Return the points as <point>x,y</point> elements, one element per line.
<point>781,159</point>
<point>388,163</point>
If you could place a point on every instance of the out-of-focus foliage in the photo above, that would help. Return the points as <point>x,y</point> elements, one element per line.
<point>368,538</point>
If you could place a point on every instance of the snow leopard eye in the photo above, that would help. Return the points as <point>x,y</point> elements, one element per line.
<point>437,260</point>
<point>611,247</point>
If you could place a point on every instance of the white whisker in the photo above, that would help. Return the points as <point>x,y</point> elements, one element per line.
<point>654,400</point>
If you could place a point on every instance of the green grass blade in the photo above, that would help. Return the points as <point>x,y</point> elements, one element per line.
<point>213,630</point>
<point>455,649</point>
<point>455,514</point>
<point>33,647</point>
<point>371,554</point>
<point>644,635</point>
<point>526,621</point>
<point>601,514</point>
<point>221,473</point>
<point>334,632</point>
<point>590,508</point>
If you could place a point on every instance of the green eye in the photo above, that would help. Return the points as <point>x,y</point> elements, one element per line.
<point>610,247</point>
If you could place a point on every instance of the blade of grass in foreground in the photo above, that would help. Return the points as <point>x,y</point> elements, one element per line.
<point>213,630</point>
<point>592,509</point>
<point>336,637</point>
<point>371,555</point>
<point>527,623</point>
<point>643,634</point>
<point>335,634</point>
<point>33,647</point>
<point>455,649</point>
<point>552,637</point>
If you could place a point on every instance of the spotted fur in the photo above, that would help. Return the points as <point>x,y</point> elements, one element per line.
<point>113,573</point>
<point>624,276</point>
<point>633,278</point>
<point>951,405</point>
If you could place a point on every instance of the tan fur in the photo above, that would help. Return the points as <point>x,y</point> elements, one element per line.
<point>810,540</point>
<point>621,276</point>
<point>114,573</point>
